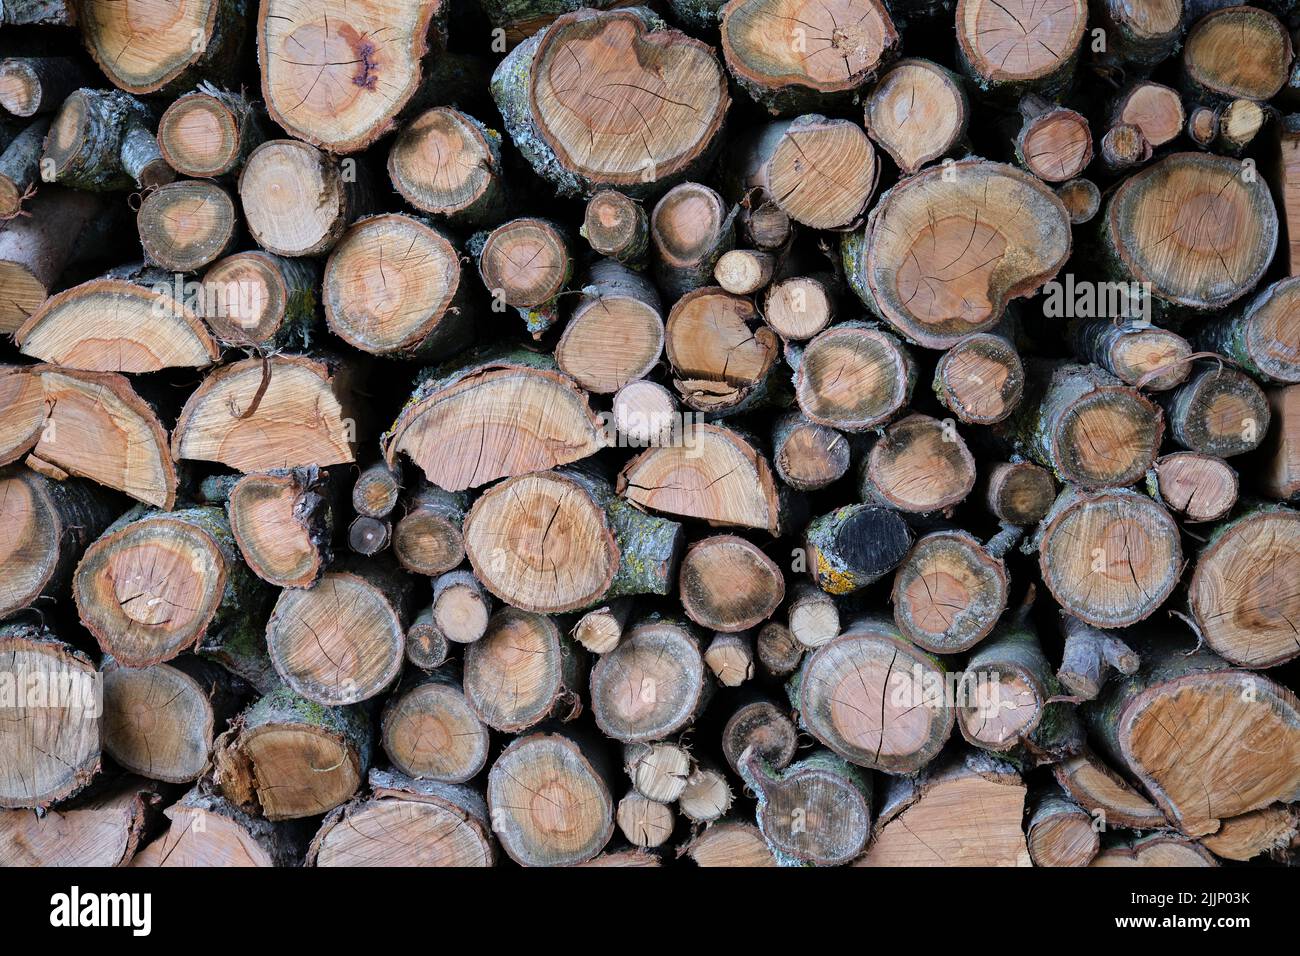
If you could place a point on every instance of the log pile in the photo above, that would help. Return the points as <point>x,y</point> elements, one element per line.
<point>738,433</point>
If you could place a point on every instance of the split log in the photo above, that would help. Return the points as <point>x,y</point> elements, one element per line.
<point>45,526</point>
<point>1018,46</point>
<point>713,474</point>
<point>298,200</point>
<point>1135,352</point>
<point>779,651</point>
<point>966,812</point>
<point>446,163</point>
<point>950,591</point>
<point>263,414</point>
<point>450,429</point>
<point>160,721</point>
<point>1199,487</point>
<point>690,228</point>
<point>522,671</point>
<point>461,607</point>
<point>340,86</point>
<point>918,465</point>
<point>287,757</point>
<point>874,698</point>
<point>707,796</point>
<point>1243,593</point>
<point>1218,411</point>
<point>813,616</point>
<point>341,641</point>
<point>854,377</point>
<point>1087,426</point>
<point>1261,337</point>
<point>615,335</point>
<point>1060,832</point>
<point>1019,492</point>
<point>817,811</point>
<point>617,227</point>
<point>283,523</point>
<point>1089,658</point>
<point>30,86</point>
<point>1054,143</point>
<point>728,584</point>
<point>51,744</point>
<point>426,646</point>
<point>429,731</point>
<point>1235,735</point>
<point>932,274</point>
<point>658,771</point>
<point>1193,269</point>
<point>575,819</point>
<point>209,132</point>
<point>917,113</point>
<point>762,729</point>
<point>525,264</point>
<point>854,546</point>
<point>131,320</point>
<point>644,822</point>
<point>600,629</point>
<point>257,298</point>
<point>730,843</point>
<point>1155,849</point>
<point>185,225</point>
<point>980,379</point>
<point>394,287</point>
<point>207,830</point>
<point>791,54</point>
<point>807,455</point>
<point>1108,797</point>
<point>558,95</point>
<point>1213,57</point>
<point>652,685</point>
<point>102,830</point>
<point>156,582</point>
<point>407,823</point>
<point>427,539</point>
<point>1109,558</point>
<point>800,307</point>
<point>35,249</point>
<point>199,38</point>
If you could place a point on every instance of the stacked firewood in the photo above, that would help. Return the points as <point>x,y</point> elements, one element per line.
<point>759,432</point>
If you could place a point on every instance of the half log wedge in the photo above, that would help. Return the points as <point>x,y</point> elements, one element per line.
<point>51,744</point>
<point>494,416</point>
<point>286,758</point>
<point>208,830</point>
<point>407,822</point>
<point>1243,591</point>
<point>44,525</point>
<point>565,92</point>
<point>191,40</point>
<point>943,253</point>
<point>575,819</point>
<point>874,698</point>
<point>341,641</point>
<point>394,287</point>
<point>816,811</point>
<point>155,583</point>
<point>263,414</point>
<point>339,85</point>
<point>1108,797</point>
<point>103,829</point>
<point>130,320</point>
<point>522,671</point>
<point>966,811</point>
<point>283,522</point>
<point>792,54</point>
<point>35,249</point>
<point>714,474</point>
<point>1208,742</point>
<point>1149,234</point>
